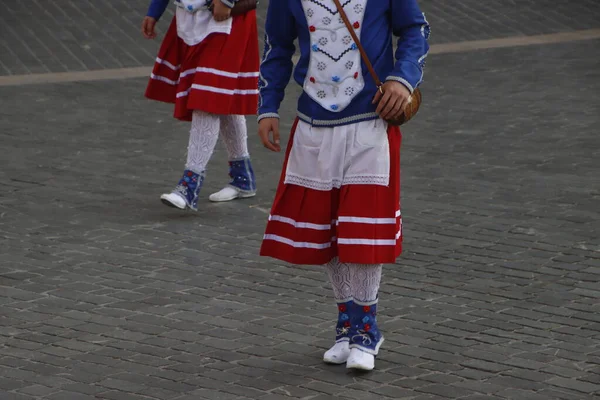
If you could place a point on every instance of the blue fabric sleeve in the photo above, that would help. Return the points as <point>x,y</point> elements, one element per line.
<point>410,24</point>
<point>277,65</point>
<point>157,8</point>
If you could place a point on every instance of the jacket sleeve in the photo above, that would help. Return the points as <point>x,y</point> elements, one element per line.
<point>157,8</point>
<point>277,65</point>
<point>412,28</point>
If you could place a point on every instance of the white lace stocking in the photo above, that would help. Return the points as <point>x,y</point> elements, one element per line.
<point>366,279</point>
<point>358,282</point>
<point>235,135</point>
<point>341,280</point>
<point>203,139</point>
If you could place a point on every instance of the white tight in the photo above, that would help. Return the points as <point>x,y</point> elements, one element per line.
<point>205,133</point>
<point>359,282</point>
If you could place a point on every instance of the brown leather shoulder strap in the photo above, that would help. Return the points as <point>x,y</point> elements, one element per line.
<point>362,51</point>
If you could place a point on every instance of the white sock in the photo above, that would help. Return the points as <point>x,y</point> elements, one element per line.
<point>204,134</point>
<point>366,279</point>
<point>340,276</point>
<point>235,135</point>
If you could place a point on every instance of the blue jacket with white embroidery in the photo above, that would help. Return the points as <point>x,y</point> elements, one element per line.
<point>288,20</point>
<point>157,7</point>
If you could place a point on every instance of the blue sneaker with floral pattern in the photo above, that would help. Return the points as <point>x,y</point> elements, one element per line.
<point>185,194</point>
<point>365,334</point>
<point>242,184</point>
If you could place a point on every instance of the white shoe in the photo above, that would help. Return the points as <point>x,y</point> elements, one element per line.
<point>358,359</point>
<point>338,354</point>
<point>174,200</point>
<point>230,193</point>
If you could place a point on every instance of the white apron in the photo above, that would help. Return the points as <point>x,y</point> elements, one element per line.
<point>324,158</point>
<point>195,22</point>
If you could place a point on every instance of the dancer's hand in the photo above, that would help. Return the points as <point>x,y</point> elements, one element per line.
<point>148,25</point>
<point>393,101</point>
<point>265,127</point>
<point>220,11</point>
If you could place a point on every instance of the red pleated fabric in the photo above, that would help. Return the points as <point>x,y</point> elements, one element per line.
<point>357,223</point>
<point>219,75</point>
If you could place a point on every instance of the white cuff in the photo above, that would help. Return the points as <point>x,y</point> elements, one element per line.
<point>267,115</point>
<point>402,81</point>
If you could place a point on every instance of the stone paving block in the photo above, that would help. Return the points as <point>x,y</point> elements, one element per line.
<point>38,390</point>
<point>563,372</point>
<point>576,385</point>
<point>429,397</point>
<point>535,376</point>
<point>15,396</point>
<point>565,395</point>
<point>84,388</point>
<point>485,366</point>
<point>71,395</point>
<point>393,392</point>
<point>115,395</point>
<point>211,395</point>
<point>10,384</point>
<point>121,385</point>
<point>516,382</point>
<point>481,397</point>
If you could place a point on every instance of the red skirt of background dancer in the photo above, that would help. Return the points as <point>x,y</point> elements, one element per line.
<point>219,75</point>
<point>357,223</point>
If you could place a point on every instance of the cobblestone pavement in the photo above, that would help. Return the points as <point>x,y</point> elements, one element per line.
<point>40,36</point>
<point>107,294</point>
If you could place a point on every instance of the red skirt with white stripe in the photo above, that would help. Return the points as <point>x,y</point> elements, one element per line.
<point>219,75</point>
<point>358,223</point>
